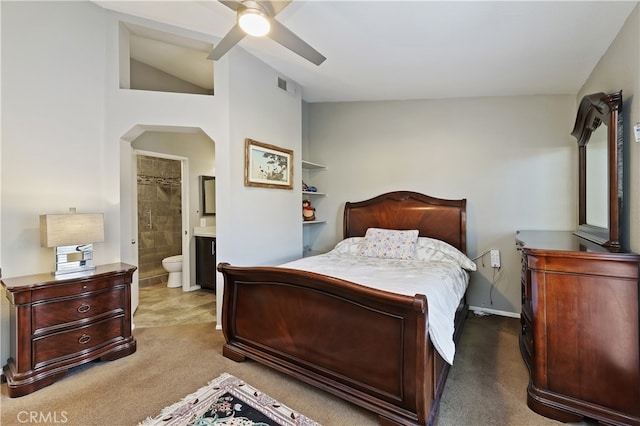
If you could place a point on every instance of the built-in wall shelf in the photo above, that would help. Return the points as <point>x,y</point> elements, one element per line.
<point>308,165</point>
<point>310,233</point>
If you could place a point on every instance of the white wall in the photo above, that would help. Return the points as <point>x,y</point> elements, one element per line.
<point>52,133</point>
<point>619,69</point>
<point>513,158</point>
<point>67,128</point>
<point>265,220</point>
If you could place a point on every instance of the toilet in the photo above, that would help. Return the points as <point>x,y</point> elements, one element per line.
<point>173,265</point>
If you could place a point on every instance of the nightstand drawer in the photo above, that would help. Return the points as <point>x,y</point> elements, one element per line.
<point>77,288</point>
<point>60,312</point>
<point>54,347</point>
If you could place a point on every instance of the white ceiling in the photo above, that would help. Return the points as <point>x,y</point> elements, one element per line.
<point>382,50</point>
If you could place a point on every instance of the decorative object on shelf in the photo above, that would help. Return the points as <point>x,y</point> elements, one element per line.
<point>267,165</point>
<point>307,188</point>
<point>308,211</point>
<point>73,236</point>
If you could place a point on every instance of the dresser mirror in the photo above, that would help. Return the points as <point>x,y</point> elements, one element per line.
<point>598,129</point>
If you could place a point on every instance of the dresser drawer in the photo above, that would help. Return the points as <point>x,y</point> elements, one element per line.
<point>77,288</point>
<point>68,344</point>
<point>68,310</point>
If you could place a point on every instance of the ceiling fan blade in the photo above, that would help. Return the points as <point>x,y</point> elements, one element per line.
<point>231,39</point>
<point>274,7</point>
<point>231,4</point>
<point>285,37</point>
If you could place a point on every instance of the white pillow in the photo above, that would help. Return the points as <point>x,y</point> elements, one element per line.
<point>432,249</point>
<point>389,243</point>
<point>349,245</point>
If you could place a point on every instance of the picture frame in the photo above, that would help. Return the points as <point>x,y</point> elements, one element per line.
<point>267,165</point>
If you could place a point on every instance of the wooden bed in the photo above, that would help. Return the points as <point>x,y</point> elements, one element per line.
<point>366,346</point>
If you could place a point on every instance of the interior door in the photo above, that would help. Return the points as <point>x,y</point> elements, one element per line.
<point>129,214</point>
<point>186,235</point>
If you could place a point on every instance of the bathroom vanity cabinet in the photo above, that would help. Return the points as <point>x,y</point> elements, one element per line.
<point>206,262</point>
<point>61,322</point>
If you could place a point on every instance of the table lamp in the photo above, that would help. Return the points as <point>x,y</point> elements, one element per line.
<point>72,235</point>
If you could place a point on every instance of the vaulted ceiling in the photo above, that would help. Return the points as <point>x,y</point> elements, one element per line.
<point>381,50</point>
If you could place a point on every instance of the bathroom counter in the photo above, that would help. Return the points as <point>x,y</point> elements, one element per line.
<point>204,231</point>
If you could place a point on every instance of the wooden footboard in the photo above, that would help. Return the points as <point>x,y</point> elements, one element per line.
<point>366,346</point>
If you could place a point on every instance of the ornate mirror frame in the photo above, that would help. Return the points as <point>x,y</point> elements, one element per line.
<point>594,110</point>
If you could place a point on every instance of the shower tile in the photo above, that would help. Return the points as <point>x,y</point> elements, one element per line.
<point>147,193</point>
<point>163,193</point>
<point>146,240</point>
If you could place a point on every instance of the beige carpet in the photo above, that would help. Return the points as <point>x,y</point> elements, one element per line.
<point>487,385</point>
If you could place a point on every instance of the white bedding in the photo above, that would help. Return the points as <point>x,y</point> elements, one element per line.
<point>438,270</point>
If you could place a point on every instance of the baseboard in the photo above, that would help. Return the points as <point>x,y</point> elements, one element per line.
<point>478,310</point>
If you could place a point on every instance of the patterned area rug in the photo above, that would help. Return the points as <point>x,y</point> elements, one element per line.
<point>228,400</point>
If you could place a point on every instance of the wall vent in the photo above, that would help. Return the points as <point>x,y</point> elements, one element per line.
<point>282,83</point>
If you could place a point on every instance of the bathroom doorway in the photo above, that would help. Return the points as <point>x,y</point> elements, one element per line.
<point>159,214</point>
<point>195,152</point>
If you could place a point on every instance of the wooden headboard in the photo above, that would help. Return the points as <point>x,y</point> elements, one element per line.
<point>433,217</point>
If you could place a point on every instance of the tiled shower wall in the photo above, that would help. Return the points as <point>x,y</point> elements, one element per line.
<point>159,216</point>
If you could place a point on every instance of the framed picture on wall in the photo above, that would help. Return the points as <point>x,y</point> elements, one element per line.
<point>267,165</point>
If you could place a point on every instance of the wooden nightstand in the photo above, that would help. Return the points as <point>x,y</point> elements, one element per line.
<point>60,323</point>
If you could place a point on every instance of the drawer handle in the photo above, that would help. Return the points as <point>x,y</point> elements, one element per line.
<point>84,308</point>
<point>85,338</point>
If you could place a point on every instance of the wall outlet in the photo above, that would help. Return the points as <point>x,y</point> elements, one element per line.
<point>203,221</point>
<point>495,258</point>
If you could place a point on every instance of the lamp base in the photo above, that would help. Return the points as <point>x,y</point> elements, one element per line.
<point>73,259</point>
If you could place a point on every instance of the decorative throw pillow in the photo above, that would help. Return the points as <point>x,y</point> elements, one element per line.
<point>389,243</point>
<point>430,249</point>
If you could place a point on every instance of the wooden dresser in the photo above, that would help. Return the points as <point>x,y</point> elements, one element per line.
<point>580,328</point>
<point>59,323</point>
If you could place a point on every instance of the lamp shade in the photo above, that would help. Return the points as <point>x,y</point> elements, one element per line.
<point>71,229</point>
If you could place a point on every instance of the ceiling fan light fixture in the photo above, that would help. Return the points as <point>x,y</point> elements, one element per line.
<point>254,22</point>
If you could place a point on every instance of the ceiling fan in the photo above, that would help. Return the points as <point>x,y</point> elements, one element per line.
<point>258,18</point>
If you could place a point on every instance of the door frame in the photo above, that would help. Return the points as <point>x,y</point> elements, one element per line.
<point>184,233</point>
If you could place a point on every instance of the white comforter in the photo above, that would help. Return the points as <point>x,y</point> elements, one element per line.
<point>439,275</point>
